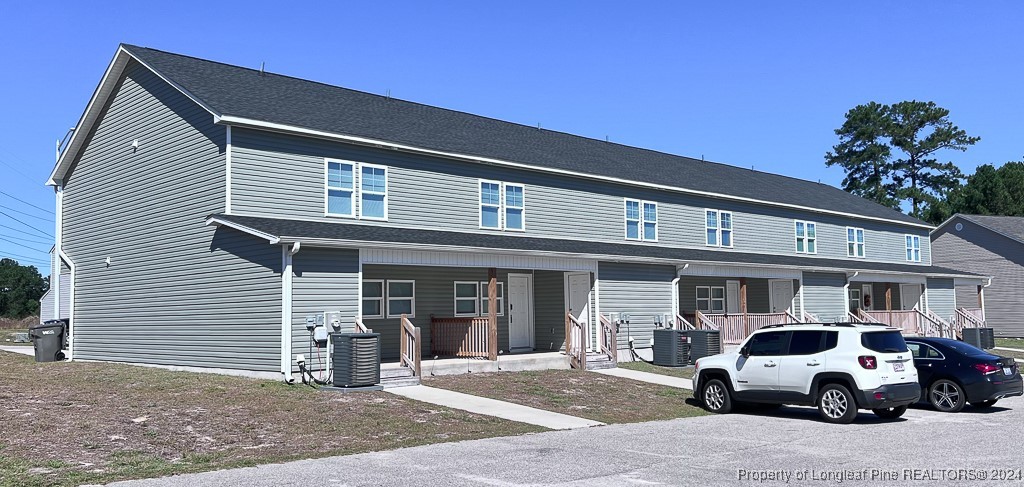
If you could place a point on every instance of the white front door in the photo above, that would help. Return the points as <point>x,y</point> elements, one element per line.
<point>578,298</point>
<point>520,312</point>
<point>910,296</point>
<point>781,295</point>
<point>732,297</point>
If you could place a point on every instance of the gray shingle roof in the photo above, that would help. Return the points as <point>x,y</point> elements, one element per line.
<point>300,230</point>
<point>243,92</point>
<point>1008,226</point>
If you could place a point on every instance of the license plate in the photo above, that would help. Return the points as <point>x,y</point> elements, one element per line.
<point>897,367</point>
<point>1007,370</point>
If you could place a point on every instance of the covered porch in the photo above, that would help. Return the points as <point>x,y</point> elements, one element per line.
<point>918,305</point>
<point>738,300</point>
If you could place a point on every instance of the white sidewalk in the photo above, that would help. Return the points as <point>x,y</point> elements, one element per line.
<point>21,350</point>
<point>665,380</point>
<point>493,407</point>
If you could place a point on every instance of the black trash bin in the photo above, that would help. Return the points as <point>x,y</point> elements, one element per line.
<point>48,340</point>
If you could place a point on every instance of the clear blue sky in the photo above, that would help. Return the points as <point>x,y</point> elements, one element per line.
<point>760,84</point>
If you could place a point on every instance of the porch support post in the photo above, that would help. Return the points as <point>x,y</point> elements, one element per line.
<point>888,300</point>
<point>492,313</point>
<point>743,303</point>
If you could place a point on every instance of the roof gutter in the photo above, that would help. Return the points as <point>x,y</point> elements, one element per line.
<point>382,144</point>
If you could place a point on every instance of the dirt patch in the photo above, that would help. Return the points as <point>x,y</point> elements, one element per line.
<point>682,372</point>
<point>584,394</point>
<point>74,423</point>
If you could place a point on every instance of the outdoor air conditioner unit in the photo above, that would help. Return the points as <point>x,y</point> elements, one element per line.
<point>671,348</point>
<point>704,343</point>
<point>356,359</point>
<point>983,338</point>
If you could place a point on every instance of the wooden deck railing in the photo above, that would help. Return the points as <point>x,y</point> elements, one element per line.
<point>734,328</point>
<point>609,340</point>
<point>361,328</point>
<point>701,322</point>
<point>459,337</point>
<point>852,317</point>
<point>933,325</point>
<point>865,317</point>
<point>683,324</point>
<point>793,318</point>
<point>410,346</point>
<point>965,318</point>
<point>906,320</point>
<point>575,342</point>
<point>810,317</point>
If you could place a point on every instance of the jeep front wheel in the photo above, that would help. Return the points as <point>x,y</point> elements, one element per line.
<point>716,397</point>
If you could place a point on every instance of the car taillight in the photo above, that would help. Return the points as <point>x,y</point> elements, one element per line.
<point>868,361</point>
<point>986,368</point>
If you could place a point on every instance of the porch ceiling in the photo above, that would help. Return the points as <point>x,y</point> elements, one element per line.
<point>354,235</point>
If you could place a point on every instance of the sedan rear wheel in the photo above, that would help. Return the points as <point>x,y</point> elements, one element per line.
<point>946,396</point>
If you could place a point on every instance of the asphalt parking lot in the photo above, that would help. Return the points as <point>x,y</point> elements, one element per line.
<point>787,447</point>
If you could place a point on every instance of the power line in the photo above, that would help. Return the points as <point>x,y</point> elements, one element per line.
<point>27,203</point>
<point>24,246</point>
<point>28,240</point>
<point>16,257</point>
<point>22,231</point>
<point>27,177</point>
<point>23,223</point>
<point>24,213</point>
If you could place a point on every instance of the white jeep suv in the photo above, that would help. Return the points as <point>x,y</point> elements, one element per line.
<point>839,368</point>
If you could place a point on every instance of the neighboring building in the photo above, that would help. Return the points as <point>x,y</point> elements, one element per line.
<point>208,209</point>
<point>46,310</point>
<point>990,246</point>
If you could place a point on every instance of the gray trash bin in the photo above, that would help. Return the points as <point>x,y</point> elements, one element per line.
<point>47,340</point>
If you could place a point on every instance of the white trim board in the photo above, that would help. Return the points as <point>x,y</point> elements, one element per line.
<point>463,259</point>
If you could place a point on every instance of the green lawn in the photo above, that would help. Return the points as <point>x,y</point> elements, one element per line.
<point>683,372</point>
<point>85,423</point>
<point>1010,342</point>
<point>587,395</point>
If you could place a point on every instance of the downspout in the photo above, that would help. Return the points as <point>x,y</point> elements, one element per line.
<point>846,294</point>
<point>287,252</point>
<point>675,293</point>
<point>55,280</point>
<point>983,299</point>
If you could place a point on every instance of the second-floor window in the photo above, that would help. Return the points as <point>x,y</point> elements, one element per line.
<point>641,220</point>
<point>718,226</point>
<point>806,237</point>
<point>344,193</point>
<point>913,248</point>
<point>502,205</point>
<point>854,242</point>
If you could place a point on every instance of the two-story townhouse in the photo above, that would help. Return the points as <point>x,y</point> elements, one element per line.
<point>206,210</point>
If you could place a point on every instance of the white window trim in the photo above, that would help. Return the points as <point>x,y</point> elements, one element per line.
<point>381,298</point>
<point>501,206</point>
<point>718,230</point>
<point>387,185</point>
<point>910,248</point>
<point>710,299</point>
<point>387,302</point>
<point>864,245</point>
<point>642,220</point>
<point>501,298</point>
<point>504,207</point>
<point>475,299</point>
<point>353,191</point>
<point>806,238</point>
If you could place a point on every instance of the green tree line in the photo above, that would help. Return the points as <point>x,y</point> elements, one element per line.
<point>21,287</point>
<point>891,155</point>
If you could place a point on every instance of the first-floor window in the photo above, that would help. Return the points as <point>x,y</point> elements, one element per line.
<point>711,299</point>
<point>401,299</point>
<point>913,248</point>
<point>485,301</point>
<point>471,298</point>
<point>373,298</point>
<point>467,299</point>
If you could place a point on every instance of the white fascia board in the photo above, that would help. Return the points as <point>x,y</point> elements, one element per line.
<point>99,99</point>
<point>272,239</point>
<point>290,129</point>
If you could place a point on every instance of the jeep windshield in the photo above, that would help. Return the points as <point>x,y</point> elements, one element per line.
<point>884,341</point>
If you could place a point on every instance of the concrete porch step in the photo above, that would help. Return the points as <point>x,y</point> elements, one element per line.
<point>393,382</point>
<point>395,372</point>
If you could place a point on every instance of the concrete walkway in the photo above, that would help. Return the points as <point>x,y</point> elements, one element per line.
<point>493,407</point>
<point>21,350</point>
<point>1008,349</point>
<point>660,379</point>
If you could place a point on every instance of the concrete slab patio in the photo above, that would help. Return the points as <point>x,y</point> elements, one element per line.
<point>660,379</point>
<point>493,407</point>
